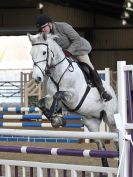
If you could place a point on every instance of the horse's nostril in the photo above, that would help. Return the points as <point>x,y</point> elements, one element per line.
<point>39,79</point>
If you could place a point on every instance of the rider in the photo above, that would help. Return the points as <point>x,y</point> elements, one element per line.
<point>72,45</point>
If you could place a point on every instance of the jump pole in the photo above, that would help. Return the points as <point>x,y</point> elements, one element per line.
<point>60,134</point>
<point>122,109</point>
<point>60,151</point>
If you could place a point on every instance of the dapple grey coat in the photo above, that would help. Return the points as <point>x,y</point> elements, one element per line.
<point>70,40</point>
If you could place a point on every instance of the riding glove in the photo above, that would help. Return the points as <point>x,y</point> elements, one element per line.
<point>68,54</point>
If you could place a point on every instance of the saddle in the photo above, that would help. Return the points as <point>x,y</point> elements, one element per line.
<point>84,68</point>
<point>87,73</point>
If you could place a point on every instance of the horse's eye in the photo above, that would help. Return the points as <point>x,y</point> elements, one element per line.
<point>44,52</point>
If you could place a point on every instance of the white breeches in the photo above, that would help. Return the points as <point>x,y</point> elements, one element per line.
<point>85,59</point>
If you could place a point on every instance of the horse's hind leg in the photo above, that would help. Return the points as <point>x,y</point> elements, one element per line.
<point>101,146</point>
<point>93,125</point>
<point>110,121</point>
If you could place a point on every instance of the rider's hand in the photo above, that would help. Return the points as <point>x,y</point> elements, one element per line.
<point>68,54</point>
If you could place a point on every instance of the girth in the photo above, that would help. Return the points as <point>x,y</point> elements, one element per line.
<point>81,101</point>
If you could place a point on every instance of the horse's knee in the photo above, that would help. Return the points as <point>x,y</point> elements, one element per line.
<point>63,96</point>
<point>41,104</point>
<point>59,95</point>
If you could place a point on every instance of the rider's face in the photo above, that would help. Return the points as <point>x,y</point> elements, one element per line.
<point>46,28</point>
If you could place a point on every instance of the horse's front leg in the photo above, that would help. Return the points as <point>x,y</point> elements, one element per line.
<point>42,104</point>
<point>52,113</point>
<point>57,120</point>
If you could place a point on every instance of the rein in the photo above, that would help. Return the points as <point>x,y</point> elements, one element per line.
<point>70,65</point>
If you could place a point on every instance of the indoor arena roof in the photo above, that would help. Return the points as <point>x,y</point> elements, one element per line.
<point>112,8</point>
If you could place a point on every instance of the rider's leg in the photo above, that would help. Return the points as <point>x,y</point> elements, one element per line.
<point>96,78</point>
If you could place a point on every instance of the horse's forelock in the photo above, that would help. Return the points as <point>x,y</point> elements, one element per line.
<point>35,38</point>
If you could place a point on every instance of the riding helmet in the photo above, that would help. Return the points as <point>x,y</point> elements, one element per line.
<point>42,20</point>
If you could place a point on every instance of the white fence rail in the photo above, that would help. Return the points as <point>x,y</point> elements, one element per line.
<point>41,168</point>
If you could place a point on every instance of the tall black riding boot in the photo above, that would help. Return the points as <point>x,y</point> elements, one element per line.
<point>96,80</point>
<point>98,83</point>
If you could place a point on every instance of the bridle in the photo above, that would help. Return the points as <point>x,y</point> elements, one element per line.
<point>35,63</point>
<point>48,68</point>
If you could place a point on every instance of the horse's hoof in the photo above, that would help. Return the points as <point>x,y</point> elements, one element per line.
<point>58,121</point>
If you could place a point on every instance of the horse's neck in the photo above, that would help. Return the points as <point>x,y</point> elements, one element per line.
<point>58,60</point>
<point>56,49</point>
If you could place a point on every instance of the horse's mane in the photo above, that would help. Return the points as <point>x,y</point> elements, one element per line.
<point>51,41</point>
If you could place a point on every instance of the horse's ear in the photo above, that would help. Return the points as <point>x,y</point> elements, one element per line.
<point>44,35</point>
<point>31,37</point>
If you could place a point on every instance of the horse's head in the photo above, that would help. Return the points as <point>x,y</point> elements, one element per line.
<point>41,56</point>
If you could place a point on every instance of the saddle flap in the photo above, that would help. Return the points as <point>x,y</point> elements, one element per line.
<point>86,71</point>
